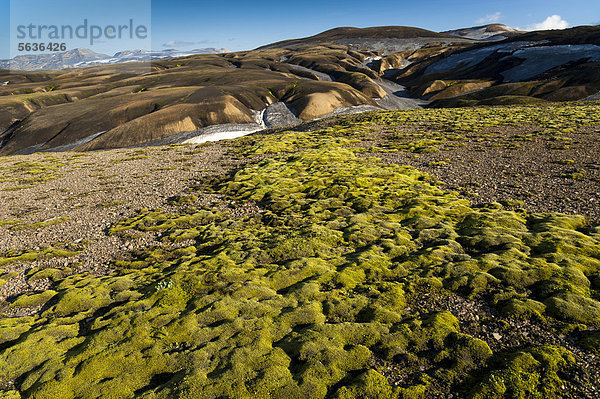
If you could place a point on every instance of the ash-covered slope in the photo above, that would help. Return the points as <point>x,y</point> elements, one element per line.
<point>382,38</point>
<point>531,67</point>
<point>113,106</point>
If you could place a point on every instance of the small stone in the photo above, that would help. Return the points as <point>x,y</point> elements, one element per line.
<point>497,336</point>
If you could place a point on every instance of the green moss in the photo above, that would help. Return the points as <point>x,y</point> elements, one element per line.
<point>13,328</point>
<point>78,301</point>
<point>370,385</point>
<point>59,251</point>
<point>591,342</point>
<point>323,282</point>
<point>10,394</point>
<point>109,204</point>
<point>31,300</point>
<point>436,328</point>
<point>532,373</point>
<point>574,307</point>
<point>468,353</point>
<point>183,199</point>
<point>512,203</point>
<point>414,392</point>
<point>39,225</point>
<point>528,308</point>
<point>31,173</point>
<point>49,273</point>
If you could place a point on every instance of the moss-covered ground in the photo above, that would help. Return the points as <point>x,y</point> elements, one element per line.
<point>26,174</point>
<point>308,283</point>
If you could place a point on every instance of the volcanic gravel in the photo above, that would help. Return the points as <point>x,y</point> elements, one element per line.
<point>545,175</point>
<point>94,192</point>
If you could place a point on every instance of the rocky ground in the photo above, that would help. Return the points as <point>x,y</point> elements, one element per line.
<point>86,193</point>
<point>535,173</point>
<point>69,201</point>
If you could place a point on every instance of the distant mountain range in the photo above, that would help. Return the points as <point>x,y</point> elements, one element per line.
<point>387,38</point>
<point>82,57</point>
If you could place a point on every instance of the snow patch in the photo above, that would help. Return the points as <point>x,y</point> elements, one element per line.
<point>465,59</point>
<point>69,147</point>
<point>593,97</point>
<point>226,135</point>
<point>541,59</point>
<point>538,58</point>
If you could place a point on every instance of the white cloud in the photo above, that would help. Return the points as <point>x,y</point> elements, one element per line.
<point>552,22</point>
<point>488,19</point>
<point>177,43</point>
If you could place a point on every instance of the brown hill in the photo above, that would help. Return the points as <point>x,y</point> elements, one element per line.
<point>576,35</point>
<point>380,32</point>
<point>558,65</point>
<point>41,111</point>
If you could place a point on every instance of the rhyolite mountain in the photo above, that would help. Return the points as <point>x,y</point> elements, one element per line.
<point>383,38</point>
<point>340,70</point>
<point>554,65</point>
<point>491,32</point>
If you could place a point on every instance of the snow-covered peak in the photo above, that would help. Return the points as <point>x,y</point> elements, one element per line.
<point>485,32</point>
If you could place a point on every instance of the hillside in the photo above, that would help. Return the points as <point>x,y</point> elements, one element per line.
<point>534,67</point>
<point>381,38</point>
<point>115,106</point>
<point>491,32</point>
<point>193,98</point>
<point>358,256</point>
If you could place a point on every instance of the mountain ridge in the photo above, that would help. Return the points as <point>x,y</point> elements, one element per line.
<point>490,32</point>
<point>83,57</point>
<point>336,35</point>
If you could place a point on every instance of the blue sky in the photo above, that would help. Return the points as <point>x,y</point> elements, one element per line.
<point>240,25</point>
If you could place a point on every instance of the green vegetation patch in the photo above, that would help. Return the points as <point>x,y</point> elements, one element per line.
<point>313,293</point>
<point>39,225</point>
<point>20,256</point>
<point>30,173</point>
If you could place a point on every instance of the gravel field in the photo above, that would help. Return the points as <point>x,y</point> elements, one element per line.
<point>85,195</point>
<point>537,175</point>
